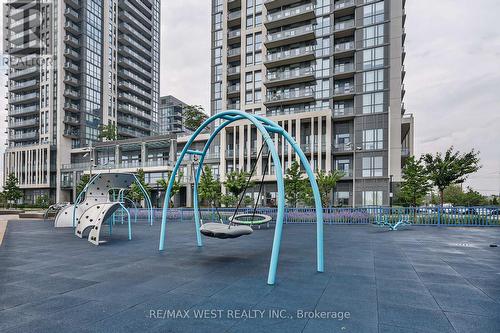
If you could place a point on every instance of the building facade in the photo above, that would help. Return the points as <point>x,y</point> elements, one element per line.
<point>171,119</point>
<point>330,72</point>
<point>76,65</point>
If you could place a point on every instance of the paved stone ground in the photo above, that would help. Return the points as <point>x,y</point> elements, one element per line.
<point>423,279</point>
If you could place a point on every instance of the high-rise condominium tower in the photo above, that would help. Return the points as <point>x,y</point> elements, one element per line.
<point>76,65</point>
<point>331,73</point>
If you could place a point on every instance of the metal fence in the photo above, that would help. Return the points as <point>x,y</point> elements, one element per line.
<point>456,216</point>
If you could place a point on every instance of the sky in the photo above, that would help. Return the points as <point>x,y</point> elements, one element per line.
<point>452,82</point>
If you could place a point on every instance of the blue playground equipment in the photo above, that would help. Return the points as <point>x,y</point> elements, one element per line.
<point>393,226</point>
<point>264,126</point>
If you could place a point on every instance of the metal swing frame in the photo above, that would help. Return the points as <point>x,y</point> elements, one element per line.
<point>264,126</point>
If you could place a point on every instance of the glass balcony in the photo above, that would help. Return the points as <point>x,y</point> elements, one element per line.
<point>71,67</point>
<point>290,16</point>
<point>33,109</point>
<point>344,25</point>
<point>344,90</point>
<point>233,34</point>
<point>71,14</point>
<point>134,122</point>
<point>134,88</point>
<point>25,98</point>
<point>343,112</point>
<point>233,71</point>
<point>234,15</point>
<point>133,99</point>
<point>405,152</point>
<point>126,108</point>
<point>24,73</point>
<point>72,133</point>
<point>68,106</point>
<point>290,36</point>
<point>233,89</point>
<point>72,93</point>
<point>72,54</point>
<point>236,52</point>
<point>73,3</point>
<point>72,41</point>
<point>343,4</point>
<point>71,80</point>
<point>291,56</point>
<point>134,77</point>
<point>23,136</point>
<point>71,27</point>
<point>138,47</point>
<point>289,96</point>
<point>344,68</point>
<point>134,55</point>
<point>71,120</point>
<point>233,106</point>
<point>344,47</point>
<point>289,76</point>
<point>132,65</point>
<point>26,85</point>
<point>24,123</point>
<point>342,147</point>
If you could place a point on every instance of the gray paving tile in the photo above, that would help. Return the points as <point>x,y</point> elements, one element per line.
<point>464,323</point>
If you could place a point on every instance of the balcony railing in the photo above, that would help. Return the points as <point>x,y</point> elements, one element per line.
<point>234,52</point>
<point>290,33</point>
<point>342,90</point>
<point>341,47</point>
<point>345,112</point>
<point>23,110</point>
<point>342,146</point>
<point>23,98</point>
<point>21,136</point>
<point>235,88</point>
<point>343,4</point>
<point>233,70</point>
<point>234,15</point>
<point>344,25</point>
<point>290,53</point>
<point>234,34</point>
<point>344,68</point>
<point>292,94</point>
<point>23,123</point>
<point>290,12</point>
<point>287,75</point>
<point>405,152</point>
<point>16,86</point>
<point>30,70</point>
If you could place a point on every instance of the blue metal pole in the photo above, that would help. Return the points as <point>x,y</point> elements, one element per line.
<point>317,201</point>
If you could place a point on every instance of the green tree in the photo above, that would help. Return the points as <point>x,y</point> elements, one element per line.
<point>229,200</point>
<point>295,189</point>
<point>248,201</point>
<point>194,116</point>
<point>236,182</point>
<point>474,198</point>
<point>209,188</point>
<point>84,179</point>
<point>135,193</point>
<point>42,201</point>
<point>163,183</point>
<point>494,201</point>
<point>109,132</point>
<point>415,185</point>
<point>452,168</point>
<point>12,192</point>
<point>454,195</point>
<point>326,183</point>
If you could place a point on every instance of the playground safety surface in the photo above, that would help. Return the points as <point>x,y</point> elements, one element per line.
<point>421,279</point>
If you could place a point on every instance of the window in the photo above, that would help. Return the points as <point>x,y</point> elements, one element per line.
<point>372,198</point>
<point>248,81</point>
<point>372,166</point>
<point>248,97</point>
<point>258,96</point>
<point>373,58</point>
<point>342,198</point>
<point>344,165</point>
<point>373,13</point>
<point>373,139</point>
<point>373,103</point>
<point>373,80</point>
<point>373,36</point>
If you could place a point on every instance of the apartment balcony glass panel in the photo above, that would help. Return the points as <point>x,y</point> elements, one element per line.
<point>291,96</point>
<point>234,53</point>
<point>276,78</point>
<point>343,146</point>
<point>71,40</point>
<point>71,120</point>
<point>71,14</point>
<point>233,71</point>
<point>73,3</point>
<point>343,4</point>
<point>23,136</point>
<point>23,86</point>
<point>25,110</point>
<point>24,123</point>
<point>343,112</point>
<point>71,67</point>
<point>348,24</point>
<point>72,27</point>
<point>24,98</point>
<point>296,55</point>
<point>71,80</point>
<point>233,36</point>
<point>27,72</point>
<point>291,36</point>
<point>72,94</point>
<point>72,107</point>
<point>344,47</point>
<point>71,54</point>
<point>233,89</point>
<point>290,15</point>
<point>234,18</point>
<point>126,74</point>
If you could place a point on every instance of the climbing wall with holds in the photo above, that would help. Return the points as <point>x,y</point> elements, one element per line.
<point>96,206</point>
<point>93,218</point>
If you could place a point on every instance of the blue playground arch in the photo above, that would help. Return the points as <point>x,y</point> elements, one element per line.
<point>264,126</point>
